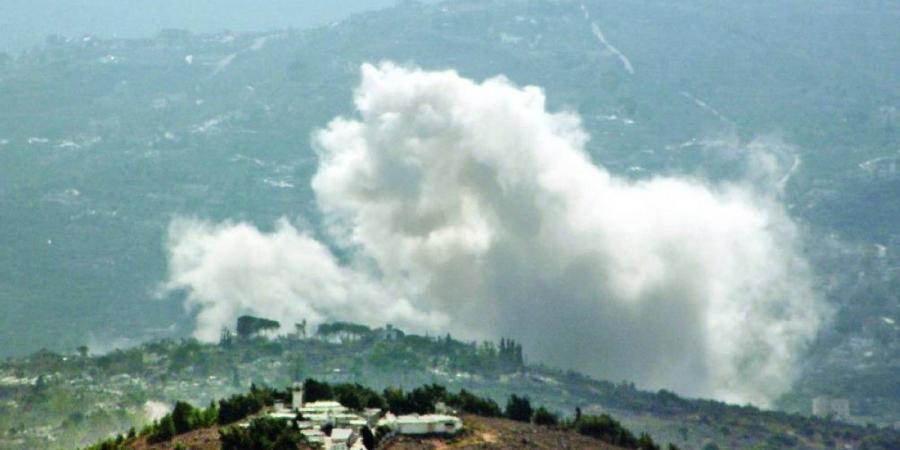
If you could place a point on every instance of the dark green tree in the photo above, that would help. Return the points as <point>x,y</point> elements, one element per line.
<point>314,391</point>
<point>606,429</point>
<point>544,417</point>
<point>368,438</point>
<point>519,409</point>
<point>164,430</point>
<point>248,326</point>
<point>645,442</point>
<point>226,339</point>
<point>183,417</point>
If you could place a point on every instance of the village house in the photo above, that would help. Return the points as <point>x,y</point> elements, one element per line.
<point>836,408</point>
<point>425,424</point>
<point>313,417</point>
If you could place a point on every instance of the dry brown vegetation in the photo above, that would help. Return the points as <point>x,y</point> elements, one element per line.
<point>502,434</point>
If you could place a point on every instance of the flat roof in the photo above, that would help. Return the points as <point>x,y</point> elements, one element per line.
<point>341,434</point>
<point>427,418</point>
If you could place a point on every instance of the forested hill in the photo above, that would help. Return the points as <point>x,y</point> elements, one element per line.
<point>51,400</point>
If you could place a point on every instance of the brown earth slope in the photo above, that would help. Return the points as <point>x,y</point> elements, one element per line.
<point>202,439</point>
<point>479,433</point>
<point>502,434</point>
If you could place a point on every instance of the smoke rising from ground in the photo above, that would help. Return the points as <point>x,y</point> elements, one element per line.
<point>468,207</point>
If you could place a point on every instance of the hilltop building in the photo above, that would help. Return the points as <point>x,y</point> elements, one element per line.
<point>417,425</point>
<point>836,408</point>
<point>312,417</point>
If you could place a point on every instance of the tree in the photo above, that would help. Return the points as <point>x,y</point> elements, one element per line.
<point>248,326</point>
<point>301,329</point>
<point>164,430</point>
<point>645,442</point>
<point>544,417</point>
<point>315,391</point>
<point>237,407</point>
<point>226,339</point>
<point>606,429</point>
<point>262,434</point>
<point>397,401</point>
<point>357,397</point>
<point>367,437</point>
<point>182,417</point>
<point>519,409</point>
<point>471,403</point>
<point>82,350</point>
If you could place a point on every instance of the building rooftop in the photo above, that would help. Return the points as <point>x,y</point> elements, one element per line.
<point>341,434</point>
<point>425,418</point>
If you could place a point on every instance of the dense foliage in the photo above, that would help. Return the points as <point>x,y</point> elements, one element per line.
<point>519,409</point>
<point>544,417</point>
<point>606,429</point>
<point>261,434</point>
<point>248,326</point>
<point>238,407</point>
<point>197,373</point>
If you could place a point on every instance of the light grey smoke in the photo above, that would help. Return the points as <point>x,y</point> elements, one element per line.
<point>485,212</point>
<point>232,269</point>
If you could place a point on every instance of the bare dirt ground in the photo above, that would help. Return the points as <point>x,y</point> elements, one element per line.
<point>501,434</point>
<point>202,439</point>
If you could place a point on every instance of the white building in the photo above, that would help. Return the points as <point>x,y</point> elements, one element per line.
<point>322,407</point>
<point>423,424</point>
<point>313,436</point>
<point>341,438</point>
<point>837,408</point>
<point>347,424</point>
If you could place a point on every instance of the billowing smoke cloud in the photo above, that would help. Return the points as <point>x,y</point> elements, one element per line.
<point>469,207</point>
<point>232,269</point>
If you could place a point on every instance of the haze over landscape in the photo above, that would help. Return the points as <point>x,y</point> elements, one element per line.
<point>696,196</point>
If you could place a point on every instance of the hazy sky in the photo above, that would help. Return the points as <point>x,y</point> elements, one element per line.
<point>25,23</point>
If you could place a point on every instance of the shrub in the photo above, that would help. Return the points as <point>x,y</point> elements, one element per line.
<point>314,391</point>
<point>545,418</point>
<point>467,402</point>
<point>606,429</point>
<point>164,430</point>
<point>262,434</point>
<point>519,409</point>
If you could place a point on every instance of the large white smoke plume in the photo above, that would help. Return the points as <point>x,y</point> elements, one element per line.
<point>468,207</point>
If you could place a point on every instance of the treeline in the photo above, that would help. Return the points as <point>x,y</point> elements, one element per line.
<point>421,400</point>
<point>185,418</point>
<point>264,433</point>
<point>424,400</point>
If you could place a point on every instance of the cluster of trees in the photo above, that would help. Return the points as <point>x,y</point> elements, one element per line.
<point>262,434</point>
<point>182,419</point>
<point>333,328</point>
<point>239,406</point>
<point>607,429</point>
<point>268,434</point>
<point>602,427</point>
<point>185,417</point>
<point>249,326</point>
<point>510,355</point>
<point>352,395</point>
